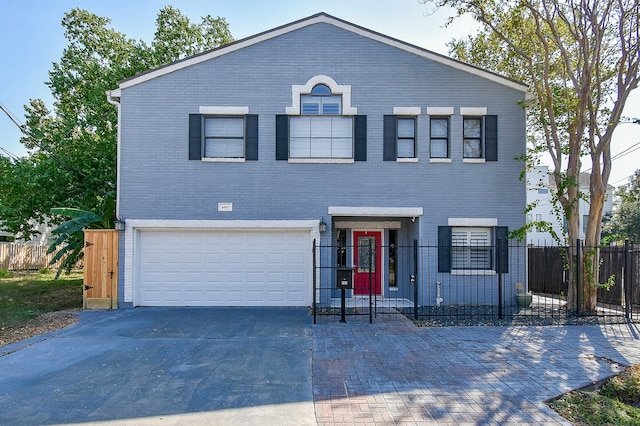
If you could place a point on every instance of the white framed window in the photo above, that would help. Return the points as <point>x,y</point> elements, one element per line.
<point>539,223</point>
<point>321,137</point>
<point>224,137</point>
<point>471,248</point>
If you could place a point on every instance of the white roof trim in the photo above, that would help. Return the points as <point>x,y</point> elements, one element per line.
<point>316,19</point>
<point>376,211</point>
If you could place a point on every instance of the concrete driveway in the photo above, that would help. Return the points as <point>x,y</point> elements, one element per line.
<point>164,366</point>
<point>169,366</point>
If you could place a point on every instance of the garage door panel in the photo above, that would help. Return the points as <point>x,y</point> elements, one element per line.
<point>224,268</point>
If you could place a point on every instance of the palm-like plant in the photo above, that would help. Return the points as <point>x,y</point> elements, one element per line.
<point>69,239</point>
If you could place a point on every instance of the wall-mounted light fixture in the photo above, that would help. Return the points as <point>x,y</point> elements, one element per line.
<point>323,225</point>
<point>119,224</point>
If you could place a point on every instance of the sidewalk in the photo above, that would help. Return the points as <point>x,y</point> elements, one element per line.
<point>391,372</point>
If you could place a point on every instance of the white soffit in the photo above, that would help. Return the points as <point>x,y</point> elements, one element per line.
<point>317,19</point>
<point>376,211</point>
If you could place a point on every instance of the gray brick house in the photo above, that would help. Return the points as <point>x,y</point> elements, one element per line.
<point>233,162</point>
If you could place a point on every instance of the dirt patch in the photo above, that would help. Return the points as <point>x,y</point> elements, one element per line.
<point>45,323</point>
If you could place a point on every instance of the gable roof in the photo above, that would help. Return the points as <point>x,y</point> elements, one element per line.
<point>305,22</point>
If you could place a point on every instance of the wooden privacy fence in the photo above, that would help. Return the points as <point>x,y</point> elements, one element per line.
<point>19,257</point>
<point>547,273</point>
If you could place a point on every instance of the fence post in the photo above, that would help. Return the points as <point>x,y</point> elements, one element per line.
<point>626,282</point>
<point>578,285</point>
<point>370,282</point>
<point>315,284</point>
<point>499,268</point>
<point>415,279</point>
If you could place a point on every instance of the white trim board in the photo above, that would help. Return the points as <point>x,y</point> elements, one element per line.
<point>376,211</point>
<point>473,221</point>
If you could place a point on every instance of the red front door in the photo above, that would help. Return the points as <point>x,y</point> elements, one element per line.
<point>367,255</point>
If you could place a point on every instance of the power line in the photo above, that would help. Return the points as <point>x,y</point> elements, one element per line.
<point>14,119</point>
<point>636,146</point>
<point>9,153</point>
<point>25,131</point>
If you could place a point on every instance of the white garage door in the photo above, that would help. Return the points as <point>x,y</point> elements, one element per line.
<point>224,268</point>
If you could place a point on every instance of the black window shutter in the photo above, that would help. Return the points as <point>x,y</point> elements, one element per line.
<point>502,249</point>
<point>491,137</point>
<point>360,138</point>
<point>282,137</point>
<point>195,136</point>
<point>389,133</point>
<point>444,249</point>
<point>251,136</point>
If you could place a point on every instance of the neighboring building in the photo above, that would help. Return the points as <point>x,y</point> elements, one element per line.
<point>233,162</point>
<point>6,237</point>
<point>540,191</point>
<point>44,233</point>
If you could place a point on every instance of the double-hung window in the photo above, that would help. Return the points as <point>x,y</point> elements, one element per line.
<point>400,135</point>
<point>321,131</point>
<point>439,137</point>
<point>406,137</point>
<point>472,137</point>
<point>224,137</point>
<point>479,135</point>
<point>223,134</point>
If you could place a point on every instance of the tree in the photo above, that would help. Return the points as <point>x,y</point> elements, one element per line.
<point>580,59</point>
<point>69,240</point>
<point>71,159</point>
<point>625,221</point>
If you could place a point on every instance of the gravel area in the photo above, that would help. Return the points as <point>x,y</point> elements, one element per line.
<point>44,323</point>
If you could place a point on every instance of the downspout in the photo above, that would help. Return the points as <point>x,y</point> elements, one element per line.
<point>113,97</point>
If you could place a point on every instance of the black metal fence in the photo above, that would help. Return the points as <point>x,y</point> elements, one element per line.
<point>529,288</point>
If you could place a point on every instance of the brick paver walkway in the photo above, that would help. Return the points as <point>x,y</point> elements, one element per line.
<point>391,372</point>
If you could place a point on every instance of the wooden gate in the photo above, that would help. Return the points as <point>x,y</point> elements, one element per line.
<point>100,269</point>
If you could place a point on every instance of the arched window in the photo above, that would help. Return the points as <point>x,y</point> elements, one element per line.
<point>321,102</point>
<point>321,125</point>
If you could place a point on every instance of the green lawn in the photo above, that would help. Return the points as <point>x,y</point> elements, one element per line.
<point>616,402</point>
<point>24,296</point>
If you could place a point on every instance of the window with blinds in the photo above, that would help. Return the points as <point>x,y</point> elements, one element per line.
<point>224,137</point>
<point>320,131</point>
<point>471,248</point>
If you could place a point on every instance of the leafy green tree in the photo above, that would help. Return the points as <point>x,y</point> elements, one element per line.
<point>69,235</point>
<point>71,159</point>
<point>580,59</point>
<point>625,220</point>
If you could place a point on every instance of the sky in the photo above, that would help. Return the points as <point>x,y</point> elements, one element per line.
<point>32,38</point>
